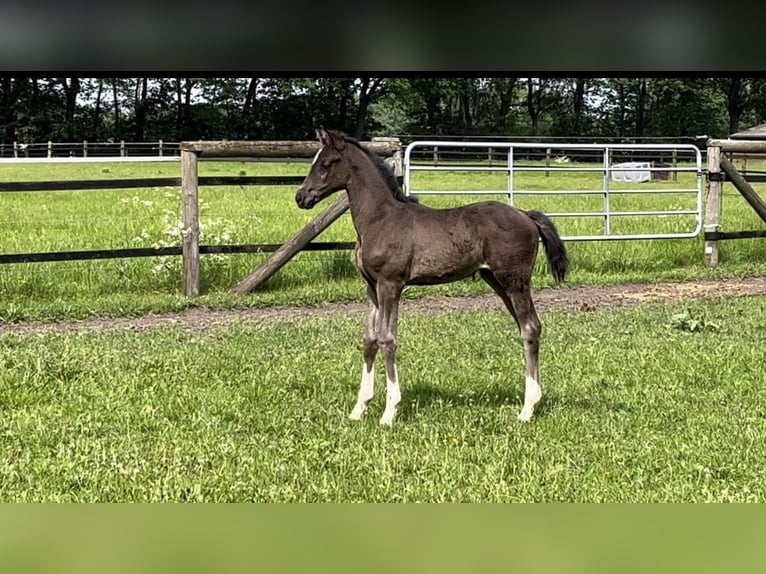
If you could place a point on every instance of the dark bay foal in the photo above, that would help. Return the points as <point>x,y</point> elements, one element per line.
<point>400,242</point>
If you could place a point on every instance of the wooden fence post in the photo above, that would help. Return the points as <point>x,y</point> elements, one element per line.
<point>85,148</point>
<point>712,204</point>
<point>190,210</point>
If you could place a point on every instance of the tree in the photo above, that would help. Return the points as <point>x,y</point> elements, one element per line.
<point>738,93</point>
<point>140,108</point>
<point>71,90</point>
<point>368,90</point>
<point>97,110</point>
<point>540,99</point>
<point>11,90</point>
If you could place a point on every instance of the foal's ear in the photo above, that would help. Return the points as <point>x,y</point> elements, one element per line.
<point>330,139</point>
<point>323,136</point>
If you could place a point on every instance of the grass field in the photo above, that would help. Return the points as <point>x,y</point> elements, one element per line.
<point>662,402</point>
<point>639,407</point>
<point>106,219</point>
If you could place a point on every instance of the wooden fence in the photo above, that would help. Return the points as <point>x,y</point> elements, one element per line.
<point>189,182</point>
<point>191,152</point>
<point>721,169</point>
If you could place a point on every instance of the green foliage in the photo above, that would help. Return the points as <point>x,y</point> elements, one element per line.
<point>34,109</point>
<point>693,324</point>
<point>257,412</point>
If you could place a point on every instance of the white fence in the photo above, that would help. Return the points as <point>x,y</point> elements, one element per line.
<point>607,160</point>
<point>86,149</point>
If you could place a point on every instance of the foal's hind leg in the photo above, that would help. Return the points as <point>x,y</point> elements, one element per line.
<point>529,325</point>
<point>492,281</point>
<point>518,300</point>
<point>369,350</point>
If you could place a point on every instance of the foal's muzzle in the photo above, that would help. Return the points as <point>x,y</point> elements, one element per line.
<point>305,199</point>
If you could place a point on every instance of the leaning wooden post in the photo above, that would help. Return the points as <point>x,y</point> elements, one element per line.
<point>190,214</point>
<point>713,203</point>
<point>291,247</point>
<point>744,188</point>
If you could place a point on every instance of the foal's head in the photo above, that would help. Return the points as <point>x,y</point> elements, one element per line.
<point>332,167</point>
<point>327,174</point>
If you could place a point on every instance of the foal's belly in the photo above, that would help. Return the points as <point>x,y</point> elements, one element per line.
<point>436,272</point>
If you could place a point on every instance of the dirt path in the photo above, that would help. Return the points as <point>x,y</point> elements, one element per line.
<point>575,299</point>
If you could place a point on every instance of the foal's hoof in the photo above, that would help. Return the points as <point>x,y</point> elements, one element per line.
<point>525,415</point>
<point>386,421</point>
<point>356,415</point>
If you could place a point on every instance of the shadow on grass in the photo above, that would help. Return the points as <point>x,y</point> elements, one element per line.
<point>424,397</point>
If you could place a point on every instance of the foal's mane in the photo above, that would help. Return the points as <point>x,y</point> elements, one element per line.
<point>385,172</point>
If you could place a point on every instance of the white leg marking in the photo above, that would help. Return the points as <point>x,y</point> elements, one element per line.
<point>393,396</point>
<point>366,389</point>
<point>532,395</point>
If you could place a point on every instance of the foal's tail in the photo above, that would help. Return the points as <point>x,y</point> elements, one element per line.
<point>554,247</point>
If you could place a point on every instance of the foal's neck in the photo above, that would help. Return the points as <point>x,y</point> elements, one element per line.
<point>369,196</point>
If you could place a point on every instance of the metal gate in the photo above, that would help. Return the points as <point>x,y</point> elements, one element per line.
<point>640,191</point>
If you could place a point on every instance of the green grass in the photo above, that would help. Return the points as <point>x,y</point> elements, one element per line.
<point>145,217</point>
<point>639,406</point>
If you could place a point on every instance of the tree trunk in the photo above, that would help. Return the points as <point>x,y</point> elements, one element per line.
<point>36,111</point>
<point>532,108</point>
<point>71,89</point>
<point>186,108</point>
<point>465,103</point>
<point>736,102</point>
<point>116,104</point>
<point>179,110</point>
<point>247,108</point>
<point>367,93</point>
<point>640,105</point>
<point>577,105</point>
<point>97,110</point>
<point>141,106</point>
<point>7,111</point>
<point>345,96</point>
<point>506,99</point>
<point>621,110</point>
<point>362,110</point>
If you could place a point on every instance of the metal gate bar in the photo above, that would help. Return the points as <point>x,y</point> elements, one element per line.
<point>682,152</point>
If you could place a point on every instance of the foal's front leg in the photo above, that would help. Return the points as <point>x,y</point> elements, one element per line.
<point>369,350</point>
<point>388,299</point>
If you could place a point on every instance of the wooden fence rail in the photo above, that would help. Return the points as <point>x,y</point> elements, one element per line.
<point>189,182</point>
<point>720,169</point>
<point>192,151</point>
